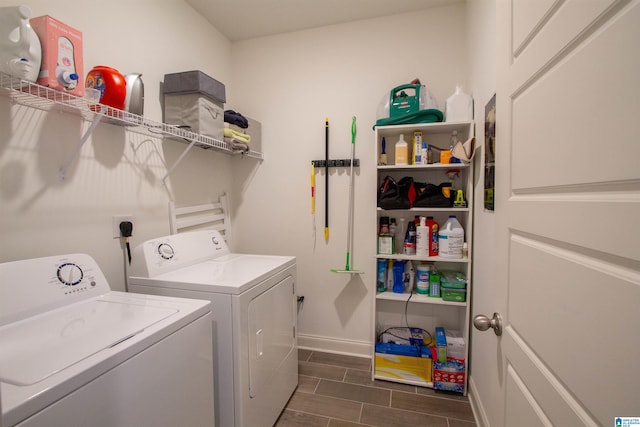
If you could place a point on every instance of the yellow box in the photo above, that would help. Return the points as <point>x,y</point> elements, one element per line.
<point>399,367</point>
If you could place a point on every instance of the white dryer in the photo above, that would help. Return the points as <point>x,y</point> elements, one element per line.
<point>254,311</point>
<point>75,353</point>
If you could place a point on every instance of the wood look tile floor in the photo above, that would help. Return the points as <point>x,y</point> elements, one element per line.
<point>337,391</point>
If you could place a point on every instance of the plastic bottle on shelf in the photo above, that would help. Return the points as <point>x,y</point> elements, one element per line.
<point>433,233</point>
<point>398,277</point>
<point>384,225</point>
<point>381,284</point>
<point>423,238</point>
<point>425,154</point>
<point>392,227</point>
<point>409,277</point>
<point>417,147</point>
<point>399,237</point>
<point>409,246</point>
<point>452,143</point>
<point>383,152</point>
<point>451,238</point>
<point>389,284</point>
<point>402,151</point>
<point>459,106</point>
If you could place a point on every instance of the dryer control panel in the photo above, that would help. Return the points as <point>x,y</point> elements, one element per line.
<point>35,285</point>
<point>168,253</point>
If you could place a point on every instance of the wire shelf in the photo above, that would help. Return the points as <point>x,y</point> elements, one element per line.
<point>43,98</point>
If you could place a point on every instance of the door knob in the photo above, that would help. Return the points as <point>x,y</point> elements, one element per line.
<point>482,323</point>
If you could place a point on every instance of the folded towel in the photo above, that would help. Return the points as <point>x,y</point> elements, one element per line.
<point>235,118</point>
<point>235,127</point>
<point>242,137</point>
<point>236,145</point>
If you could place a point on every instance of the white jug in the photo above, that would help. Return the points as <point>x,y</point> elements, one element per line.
<point>20,50</point>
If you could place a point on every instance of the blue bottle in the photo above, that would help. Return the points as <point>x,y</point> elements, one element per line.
<point>398,277</point>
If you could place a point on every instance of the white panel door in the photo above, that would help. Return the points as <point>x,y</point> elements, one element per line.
<point>568,211</point>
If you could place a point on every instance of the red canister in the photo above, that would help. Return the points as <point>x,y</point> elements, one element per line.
<point>110,83</point>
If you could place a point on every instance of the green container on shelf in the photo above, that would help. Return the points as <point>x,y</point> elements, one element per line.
<point>404,99</point>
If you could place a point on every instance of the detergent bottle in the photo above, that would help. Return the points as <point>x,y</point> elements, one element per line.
<point>20,50</point>
<point>459,107</point>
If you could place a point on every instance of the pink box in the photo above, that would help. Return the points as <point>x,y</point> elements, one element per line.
<point>61,67</point>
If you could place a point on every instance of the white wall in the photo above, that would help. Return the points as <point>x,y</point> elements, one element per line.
<point>291,82</point>
<point>484,380</point>
<point>117,172</point>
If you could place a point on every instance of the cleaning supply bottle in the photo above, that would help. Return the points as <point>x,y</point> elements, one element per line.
<point>452,143</point>
<point>425,154</point>
<point>417,147</point>
<point>409,277</point>
<point>383,152</point>
<point>409,247</point>
<point>389,275</point>
<point>423,238</point>
<point>399,237</point>
<point>398,277</point>
<point>402,151</point>
<point>20,49</point>
<point>381,284</point>
<point>458,107</point>
<point>432,225</point>
<point>451,238</point>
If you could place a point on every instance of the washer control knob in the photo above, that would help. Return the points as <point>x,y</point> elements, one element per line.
<point>165,250</point>
<point>70,274</point>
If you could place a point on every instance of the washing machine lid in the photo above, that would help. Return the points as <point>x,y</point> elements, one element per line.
<point>46,344</point>
<point>228,274</point>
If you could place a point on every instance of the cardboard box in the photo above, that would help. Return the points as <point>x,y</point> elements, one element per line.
<point>62,66</point>
<point>403,362</point>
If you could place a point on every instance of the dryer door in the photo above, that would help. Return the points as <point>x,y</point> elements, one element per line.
<point>271,334</point>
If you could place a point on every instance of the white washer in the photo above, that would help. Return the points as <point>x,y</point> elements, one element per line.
<point>73,352</point>
<point>254,311</point>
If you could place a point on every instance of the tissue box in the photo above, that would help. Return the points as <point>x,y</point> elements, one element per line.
<point>195,101</point>
<point>61,55</point>
<point>455,345</point>
<point>403,362</point>
<point>449,376</point>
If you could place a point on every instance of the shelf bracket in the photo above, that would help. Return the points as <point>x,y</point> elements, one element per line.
<point>175,164</point>
<point>83,140</point>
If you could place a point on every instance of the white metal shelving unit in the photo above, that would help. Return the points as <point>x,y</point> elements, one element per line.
<point>43,98</point>
<point>414,309</point>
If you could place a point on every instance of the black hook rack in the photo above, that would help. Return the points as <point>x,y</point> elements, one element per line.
<point>338,163</point>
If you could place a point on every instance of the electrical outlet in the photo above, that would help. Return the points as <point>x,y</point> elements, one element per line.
<point>117,219</point>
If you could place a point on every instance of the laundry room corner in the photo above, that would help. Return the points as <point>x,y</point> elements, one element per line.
<point>291,83</point>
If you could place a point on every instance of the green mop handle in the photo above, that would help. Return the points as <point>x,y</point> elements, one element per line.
<point>353,145</point>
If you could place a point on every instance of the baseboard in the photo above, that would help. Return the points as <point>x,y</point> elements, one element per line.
<point>476,405</point>
<point>335,345</point>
